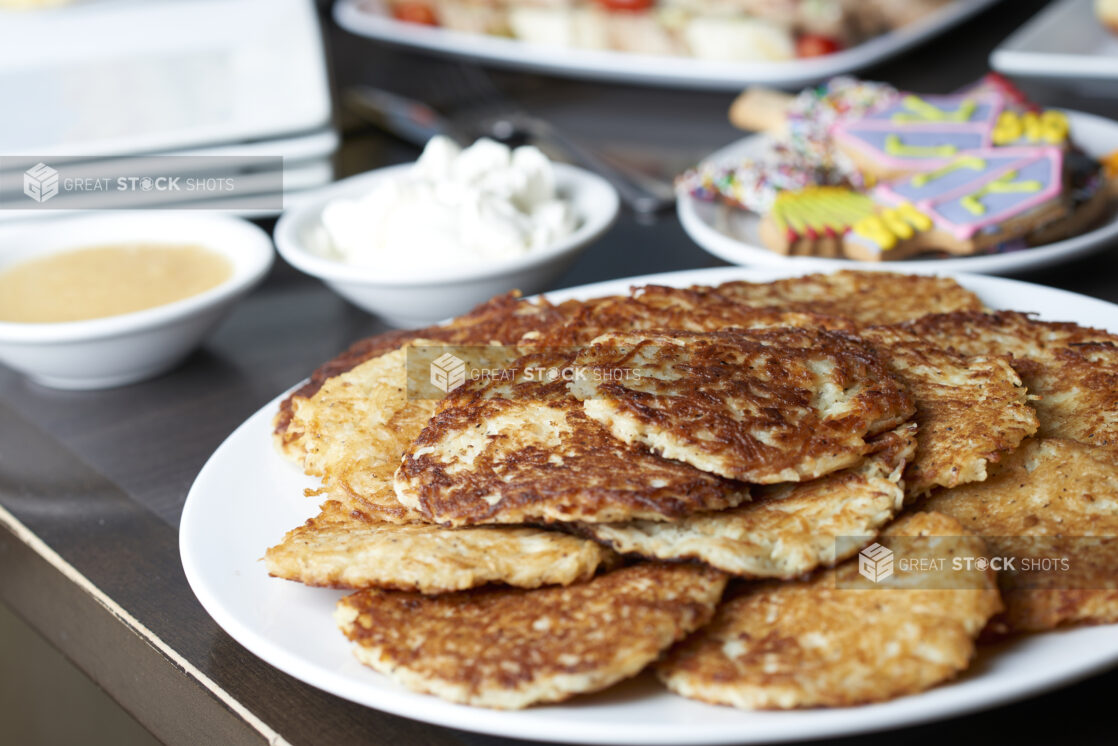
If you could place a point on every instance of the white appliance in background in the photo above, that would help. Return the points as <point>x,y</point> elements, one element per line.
<point>120,78</point>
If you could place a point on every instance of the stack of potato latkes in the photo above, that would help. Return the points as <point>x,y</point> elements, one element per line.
<point>758,489</point>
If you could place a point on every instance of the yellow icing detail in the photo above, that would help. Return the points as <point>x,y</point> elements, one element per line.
<point>1050,127</point>
<point>795,220</point>
<point>922,111</point>
<point>777,214</point>
<point>972,162</point>
<point>781,219</point>
<point>1054,126</point>
<point>894,146</point>
<point>916,219</point>
<point>1008,129</point>
<point>1031,123</point>
<point>816,209</point>
<point>973,205</point>
<point>786,217</point>
<point>874,229</point>
<point>1004,184</point>
<point>892,224</point>
<point>896,225</point>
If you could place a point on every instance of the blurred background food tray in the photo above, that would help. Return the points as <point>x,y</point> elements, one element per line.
<point>372,18</point>
<point>1065,41</point>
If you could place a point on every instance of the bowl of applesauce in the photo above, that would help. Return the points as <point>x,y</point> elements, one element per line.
<point>100,301</point>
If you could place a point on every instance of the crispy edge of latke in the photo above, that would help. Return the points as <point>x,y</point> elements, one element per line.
<point>686,669</point>
<point>324,552</point>
<point>494,675</point>
<point>360,474</point>
<point>503,319</point>
<point>879,472</point>
<point>421,479</point>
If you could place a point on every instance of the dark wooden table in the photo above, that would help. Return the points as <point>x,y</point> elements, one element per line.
<point>92,484</point>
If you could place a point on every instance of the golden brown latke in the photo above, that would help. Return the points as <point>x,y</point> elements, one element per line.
<point>523,450</point>
<point>786,530</point>
<point>1001,332</point>
<point>865,297</point>
<point>1055,492</point>
<point>1072,369</point>
<point>686,309</point>
<point>510,648</point>
<point>763,406</point>
<point>1078,390</point>
<point>504,319</point>
<point>815,644</point>
<point>354,431</point>
<point>971,411</point>
<point>343,548</point>
<point>288,435</point>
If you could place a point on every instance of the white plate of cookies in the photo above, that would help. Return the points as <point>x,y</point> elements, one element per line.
<point>508,611</point>
<point>856,174</point>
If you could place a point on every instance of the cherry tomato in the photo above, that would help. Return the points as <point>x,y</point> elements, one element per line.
<point>630,6</point>
<point>415,11</point>
<point>816,45</point>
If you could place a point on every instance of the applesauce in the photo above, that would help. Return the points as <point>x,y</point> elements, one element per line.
<point>100,281</point>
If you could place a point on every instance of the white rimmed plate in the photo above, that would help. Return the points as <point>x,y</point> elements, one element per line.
<point>368,18</point>
<point>734,235</point>
<point>246,497</point>
<point>1065,40</point>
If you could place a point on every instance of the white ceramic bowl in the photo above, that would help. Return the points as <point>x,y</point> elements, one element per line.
<point>427,294</point>
<point>116,350</point>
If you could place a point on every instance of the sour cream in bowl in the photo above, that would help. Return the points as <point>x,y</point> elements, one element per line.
<point>417,243</point>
